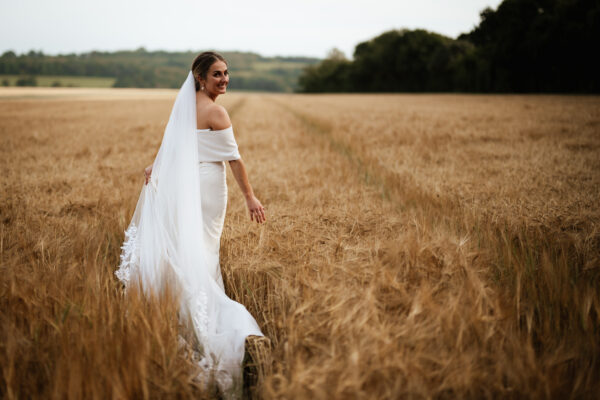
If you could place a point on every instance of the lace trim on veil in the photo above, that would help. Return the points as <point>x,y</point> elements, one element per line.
<point>129,256</point>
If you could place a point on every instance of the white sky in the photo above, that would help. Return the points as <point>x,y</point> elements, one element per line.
<point>267,27</point>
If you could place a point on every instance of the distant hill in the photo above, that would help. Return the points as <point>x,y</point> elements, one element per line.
<point>147,69</point>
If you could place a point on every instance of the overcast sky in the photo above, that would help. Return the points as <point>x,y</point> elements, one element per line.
<point>268,27</point>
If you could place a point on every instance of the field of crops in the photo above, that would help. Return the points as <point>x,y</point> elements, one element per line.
<point>416,246</point>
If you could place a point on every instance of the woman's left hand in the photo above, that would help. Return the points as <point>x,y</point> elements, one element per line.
<point>148,172</point>
<point>257,211</point>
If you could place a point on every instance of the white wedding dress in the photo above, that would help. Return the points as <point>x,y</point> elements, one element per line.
<point>214,145</point>
<point>175,232</point>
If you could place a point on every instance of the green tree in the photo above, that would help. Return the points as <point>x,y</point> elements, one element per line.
<point>26,81</point>
<point>522,46</point>
<point>539,45</point>
<point>331,75</point>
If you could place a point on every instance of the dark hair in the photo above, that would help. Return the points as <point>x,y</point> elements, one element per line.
<point>202,64</point>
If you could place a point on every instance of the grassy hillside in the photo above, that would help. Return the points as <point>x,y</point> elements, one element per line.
<point>62,81</point>
<point>155,69</point>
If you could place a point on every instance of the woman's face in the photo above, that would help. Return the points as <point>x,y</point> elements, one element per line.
<point>217,78</point>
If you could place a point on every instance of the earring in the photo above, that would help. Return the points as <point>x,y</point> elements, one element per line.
<point>202,87</point>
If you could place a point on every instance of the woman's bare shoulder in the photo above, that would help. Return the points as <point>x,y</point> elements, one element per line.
<point>218,118</point>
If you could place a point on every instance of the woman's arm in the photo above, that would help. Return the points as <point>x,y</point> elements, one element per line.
<point>257,211</point>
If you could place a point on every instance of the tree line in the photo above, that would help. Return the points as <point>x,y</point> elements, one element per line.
<point>155,69</point>
<point>522,46</point>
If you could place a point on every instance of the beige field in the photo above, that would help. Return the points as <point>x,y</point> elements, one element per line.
<point>416,246</point>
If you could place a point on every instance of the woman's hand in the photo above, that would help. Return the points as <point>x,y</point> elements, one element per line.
<point>148,172</point>
<point>257,211</point>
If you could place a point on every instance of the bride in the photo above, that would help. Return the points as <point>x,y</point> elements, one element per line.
<point>176,228</point>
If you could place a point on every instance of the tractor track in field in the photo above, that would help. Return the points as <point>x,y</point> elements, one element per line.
<point>389,185</point>
<point>323,131</point>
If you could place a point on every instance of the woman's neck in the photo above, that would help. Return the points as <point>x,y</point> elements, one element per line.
<point>201,95</point>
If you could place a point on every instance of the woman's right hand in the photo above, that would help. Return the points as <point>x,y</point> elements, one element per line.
<point>148,173</point>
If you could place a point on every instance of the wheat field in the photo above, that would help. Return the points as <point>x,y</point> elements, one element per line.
<point>416,246</point>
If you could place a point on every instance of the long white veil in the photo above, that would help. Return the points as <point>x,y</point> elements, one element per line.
<point>165,237</point>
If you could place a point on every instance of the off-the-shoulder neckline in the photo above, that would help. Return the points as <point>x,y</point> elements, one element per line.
<point>216,130</point>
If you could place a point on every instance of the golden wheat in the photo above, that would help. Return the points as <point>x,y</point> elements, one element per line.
<point>417,246</point>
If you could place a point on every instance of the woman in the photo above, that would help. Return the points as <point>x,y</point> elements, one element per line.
<point>177,224</point>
